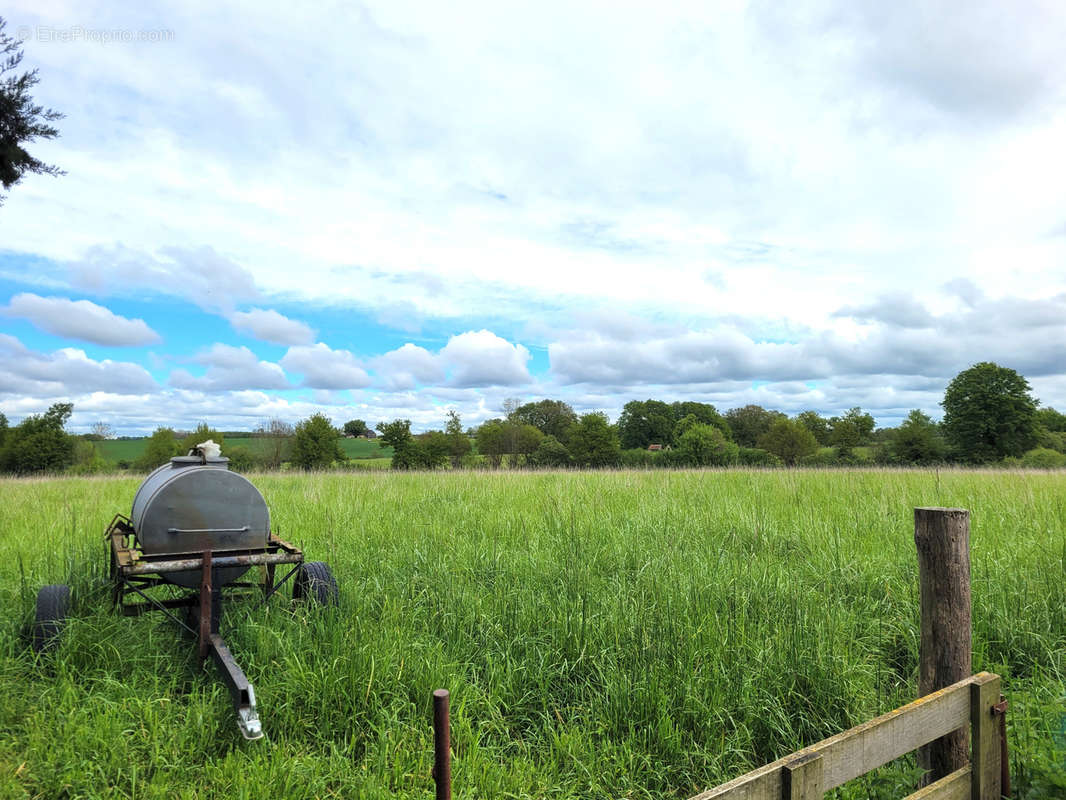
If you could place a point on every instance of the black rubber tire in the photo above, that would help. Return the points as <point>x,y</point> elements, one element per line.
<point>315,583</point>
<point>53,606</point>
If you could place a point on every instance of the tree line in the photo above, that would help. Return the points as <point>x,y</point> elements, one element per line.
<point>990,417</point>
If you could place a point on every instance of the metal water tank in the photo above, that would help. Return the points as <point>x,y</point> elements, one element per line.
<point>195,504</point>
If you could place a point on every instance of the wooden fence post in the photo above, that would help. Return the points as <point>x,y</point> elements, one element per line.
<point>942,536</point>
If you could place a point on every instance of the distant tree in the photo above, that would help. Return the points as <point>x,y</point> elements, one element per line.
<point>917,441</point>
<point>1051,440</point>
<point>789,440</point>
<point>395,434</point>
<point>550,417</point>
<point>989,413</point>
<point>202,433</point>
<point>702,412</point>
<point>703,446</point>
<point>750,422</point>
<point>754,457</point>
<point>510,406</point>
<point>39,443</point>
<point>1051,419</point>
<point>1050,429</point>
<point>816,424</point>
<point>99,431</point>
<point>850,431</point>
<point>593,442</point>
<point>646,422</point>
<point>87,459</point>
<point>433,448</point>
<point>407,453</point>
<point>526,442</point>
<point>3,429</point>
<point>684,424</point>
<point>242,459</point>
<point>355,427</point>
<point>493,441</point>
<point>160,448</point>
<point>458,442</point>
<point>276,436</point>
<point>550,453</point>
<point>315,443</point>
<point>1043,458</point>
<point>21,120</point>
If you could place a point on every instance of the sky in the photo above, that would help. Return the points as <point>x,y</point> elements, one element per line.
<point>390,210</point>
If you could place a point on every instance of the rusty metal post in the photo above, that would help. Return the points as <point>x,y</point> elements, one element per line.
<point>442,745</point>
<point>205,606</point>
<point>942,537</point>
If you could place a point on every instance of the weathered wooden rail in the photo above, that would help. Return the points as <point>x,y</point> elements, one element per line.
<point>809,773</point>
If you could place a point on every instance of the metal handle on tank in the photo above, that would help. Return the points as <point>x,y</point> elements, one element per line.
<point>208,530</point>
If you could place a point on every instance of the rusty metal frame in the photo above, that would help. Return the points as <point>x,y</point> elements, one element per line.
<point>132,571</point>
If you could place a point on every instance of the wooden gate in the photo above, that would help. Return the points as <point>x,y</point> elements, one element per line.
<point>807,774</point>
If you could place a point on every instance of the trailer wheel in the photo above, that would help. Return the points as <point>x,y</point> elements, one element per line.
<point>53,604</point>
<point>315,583</point>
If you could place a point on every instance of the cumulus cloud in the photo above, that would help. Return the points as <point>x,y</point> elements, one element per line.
<point>407,367</point>
<point>270,326</point>
<point>325,368</point>
<point>230,368</point>
<point>900,340</point>
<point>201,275</point>
<point>678,358</point>
<point>481,358</point>
<point>65,372</point>
<point>475,359</point>
<point>80,319</point>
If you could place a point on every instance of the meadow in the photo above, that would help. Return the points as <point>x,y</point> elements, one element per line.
<point>603,634</point>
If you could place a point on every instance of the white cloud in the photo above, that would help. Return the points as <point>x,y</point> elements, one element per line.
<point>80,319</point>
<point>325,368</point>
<point>201,275</point>
<point>407,367</point>
<point>65,372</point>
<point>481,358</point>
<point>468,360</point>
<point>894,337</point>
<point>269,326</point>
<point>230,368</point>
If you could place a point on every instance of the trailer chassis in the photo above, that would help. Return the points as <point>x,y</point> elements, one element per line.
<point>134,573</point>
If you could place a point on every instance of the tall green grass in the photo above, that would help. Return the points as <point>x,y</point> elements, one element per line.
<point>623,634</point>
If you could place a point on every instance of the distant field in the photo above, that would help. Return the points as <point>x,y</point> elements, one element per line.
<point>603,634</point>
<point>115,450</point>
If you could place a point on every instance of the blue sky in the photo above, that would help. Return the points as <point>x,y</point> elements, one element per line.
<point>389,210</point>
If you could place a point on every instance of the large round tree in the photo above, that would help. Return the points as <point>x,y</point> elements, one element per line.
<point>989,413</point>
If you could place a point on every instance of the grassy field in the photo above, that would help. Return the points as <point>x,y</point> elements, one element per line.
<point>604,635</point>
<point>115,450</point>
